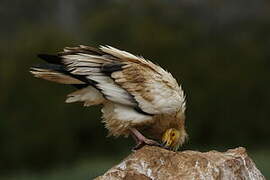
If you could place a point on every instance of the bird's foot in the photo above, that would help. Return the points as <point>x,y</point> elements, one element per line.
<point>141,140</point>
<point>144,142</point>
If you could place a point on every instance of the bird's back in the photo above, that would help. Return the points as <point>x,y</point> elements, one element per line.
<point>132,89</point>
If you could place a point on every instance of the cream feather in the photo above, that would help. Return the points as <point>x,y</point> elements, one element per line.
<point>133,90</point>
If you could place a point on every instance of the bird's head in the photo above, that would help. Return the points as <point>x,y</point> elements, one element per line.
<point>173,138</point>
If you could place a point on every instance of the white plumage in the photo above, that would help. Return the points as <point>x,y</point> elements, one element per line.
<point>134,92</point>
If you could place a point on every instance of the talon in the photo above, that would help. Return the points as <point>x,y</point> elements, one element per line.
<point>138,146</point>
<point>163,145</point>
<point>151,142</point>
<point>141,140</point>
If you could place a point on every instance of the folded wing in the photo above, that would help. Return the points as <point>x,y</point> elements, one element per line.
<point>121,78</point>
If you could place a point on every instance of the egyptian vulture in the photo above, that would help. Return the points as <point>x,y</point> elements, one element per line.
<point>138,96</point>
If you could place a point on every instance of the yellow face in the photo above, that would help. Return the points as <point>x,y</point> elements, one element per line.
<point>171,139</point>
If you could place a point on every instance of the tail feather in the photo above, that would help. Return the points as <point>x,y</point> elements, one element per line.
<point>54,70</point>
<point>75,66</point>
<point>89,95</point>
<point>54,73</point>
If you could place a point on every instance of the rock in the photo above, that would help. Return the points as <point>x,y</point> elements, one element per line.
<point>157,163</point>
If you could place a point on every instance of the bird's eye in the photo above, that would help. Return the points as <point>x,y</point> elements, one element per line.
<point>173,134</point>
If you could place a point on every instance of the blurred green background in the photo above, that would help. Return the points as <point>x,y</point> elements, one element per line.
<point>218,50</point>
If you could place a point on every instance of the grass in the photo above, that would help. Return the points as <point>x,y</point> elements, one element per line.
<point>87,169</point>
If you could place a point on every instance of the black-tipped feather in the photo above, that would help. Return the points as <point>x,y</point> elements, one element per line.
<point>108,69</point>
<point>80,86</point>
<point>82,49</point>
<point>54,67</point>
<point>55,63</point>
<point>53,59</point>
<point>61,69</point>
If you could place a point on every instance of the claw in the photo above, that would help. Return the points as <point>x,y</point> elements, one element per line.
<point>163,145</point>
<point>141,140</point>
<point>138,146</point>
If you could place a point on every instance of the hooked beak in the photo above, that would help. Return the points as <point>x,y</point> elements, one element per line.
<point>167,144</point>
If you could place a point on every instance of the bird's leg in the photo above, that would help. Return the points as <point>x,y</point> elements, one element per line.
<point>141,140</point>
<point>134,137</point>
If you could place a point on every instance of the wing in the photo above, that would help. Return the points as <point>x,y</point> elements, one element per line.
<point>155,89</point>
<point>125,78</point>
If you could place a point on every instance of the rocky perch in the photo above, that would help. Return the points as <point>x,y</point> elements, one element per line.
<point>157,163</point>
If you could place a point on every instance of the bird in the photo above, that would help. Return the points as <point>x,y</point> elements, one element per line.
<point>138,97</point>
